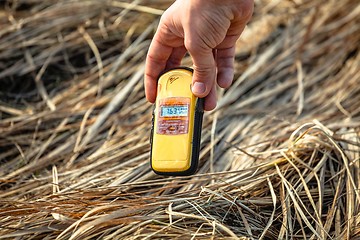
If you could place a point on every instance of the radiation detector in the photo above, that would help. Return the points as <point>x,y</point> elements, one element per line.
<point>176,125</point>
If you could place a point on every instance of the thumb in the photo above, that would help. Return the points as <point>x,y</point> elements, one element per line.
<point>204,69</point>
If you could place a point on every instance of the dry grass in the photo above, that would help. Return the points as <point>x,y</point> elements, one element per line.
<point>280,155</point>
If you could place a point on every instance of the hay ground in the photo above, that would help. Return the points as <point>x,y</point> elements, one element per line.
<point>280,154</point>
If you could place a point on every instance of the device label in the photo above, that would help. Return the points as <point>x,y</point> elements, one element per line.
<point>173,116</point>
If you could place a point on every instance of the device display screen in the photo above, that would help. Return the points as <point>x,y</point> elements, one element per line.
<point>174,111</point>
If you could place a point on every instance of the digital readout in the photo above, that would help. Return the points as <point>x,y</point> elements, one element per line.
<point>174,111</point>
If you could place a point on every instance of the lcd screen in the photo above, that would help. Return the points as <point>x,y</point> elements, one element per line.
<point>174,111</point>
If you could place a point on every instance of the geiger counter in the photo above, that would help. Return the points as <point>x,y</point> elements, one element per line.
<point>176,126</point>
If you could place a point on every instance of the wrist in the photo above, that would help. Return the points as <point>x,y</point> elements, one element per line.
<point>232,8</point>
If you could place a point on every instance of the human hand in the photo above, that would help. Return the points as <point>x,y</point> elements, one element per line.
<point>208,30</point>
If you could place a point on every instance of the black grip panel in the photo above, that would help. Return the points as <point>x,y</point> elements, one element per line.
<point>196,141</point>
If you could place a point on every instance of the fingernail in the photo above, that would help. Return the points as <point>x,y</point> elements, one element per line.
<point>198,88</point>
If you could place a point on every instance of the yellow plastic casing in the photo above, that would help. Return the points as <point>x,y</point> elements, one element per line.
<point>176,114</point>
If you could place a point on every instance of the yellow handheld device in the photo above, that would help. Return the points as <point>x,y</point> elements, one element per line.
<point>176,126</point>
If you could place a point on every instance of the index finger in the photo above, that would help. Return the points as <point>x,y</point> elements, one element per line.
<point>156,61</point>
